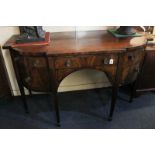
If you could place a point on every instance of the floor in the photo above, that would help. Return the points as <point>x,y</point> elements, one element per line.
<point>86,109</point>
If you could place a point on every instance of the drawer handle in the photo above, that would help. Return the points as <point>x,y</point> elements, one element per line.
<point>68,63</point>
<point>36,63</point>
<point>108,61</point>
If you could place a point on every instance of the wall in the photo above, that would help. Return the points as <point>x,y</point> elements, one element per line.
<point>84,79</point>
<point>5,33</point>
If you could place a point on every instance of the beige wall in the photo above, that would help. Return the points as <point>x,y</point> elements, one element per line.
<point>84,79</point>
<point>5,33</point>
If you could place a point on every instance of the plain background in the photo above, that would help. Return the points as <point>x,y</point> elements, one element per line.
<point>77,13</point>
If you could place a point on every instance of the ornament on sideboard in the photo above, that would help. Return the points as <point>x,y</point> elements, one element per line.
<point>30,34</point>
<point>126,30</point>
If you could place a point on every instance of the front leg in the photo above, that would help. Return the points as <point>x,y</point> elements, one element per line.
<point>56,104</point>
<point>23,97</point>
<point>113,101</point>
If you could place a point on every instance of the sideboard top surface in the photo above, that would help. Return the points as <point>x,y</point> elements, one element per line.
<point>81,42</point>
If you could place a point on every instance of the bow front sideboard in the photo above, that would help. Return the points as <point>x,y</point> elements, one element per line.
<point>119,58</point>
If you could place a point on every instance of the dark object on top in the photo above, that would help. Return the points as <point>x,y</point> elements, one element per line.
<point>126,30</point>
<point>31,34</point>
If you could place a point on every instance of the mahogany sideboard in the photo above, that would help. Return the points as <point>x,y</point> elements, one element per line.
<point>120,58</point>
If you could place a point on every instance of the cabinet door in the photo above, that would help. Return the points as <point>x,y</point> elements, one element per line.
<point>147,78</point>
<point>4,83</point>
<point>131,65</point>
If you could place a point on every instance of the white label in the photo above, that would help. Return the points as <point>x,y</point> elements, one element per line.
<point>111,61</point>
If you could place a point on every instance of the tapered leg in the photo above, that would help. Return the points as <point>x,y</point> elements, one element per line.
<point>133,91</point>
<point>30,92</point>
<point>24,99</point>
<point>113,102</point>
<point>56,104</point>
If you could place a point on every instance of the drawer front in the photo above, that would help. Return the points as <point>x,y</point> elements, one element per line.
<point>101,60</point>
<point>86,61</point>
<point>68,62</point>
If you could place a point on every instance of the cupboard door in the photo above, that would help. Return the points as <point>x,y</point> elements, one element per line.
<point>131,65</point>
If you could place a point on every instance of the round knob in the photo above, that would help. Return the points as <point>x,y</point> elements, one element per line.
<point>106,61</point>
<point>36,63</point>
<point>68,63</point>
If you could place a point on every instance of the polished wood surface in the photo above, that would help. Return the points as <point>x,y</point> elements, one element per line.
<point>120,59</point>
<point>72,51</point>
<point>82,42</point>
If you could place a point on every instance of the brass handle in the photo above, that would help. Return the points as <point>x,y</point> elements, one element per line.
<point>106,61</point>
<point>68,63</point>
<point>36,63</point>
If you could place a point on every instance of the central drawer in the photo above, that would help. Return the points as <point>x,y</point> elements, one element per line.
<point>102,60</point>
<point>85,61</point>
<point>68,62</point>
